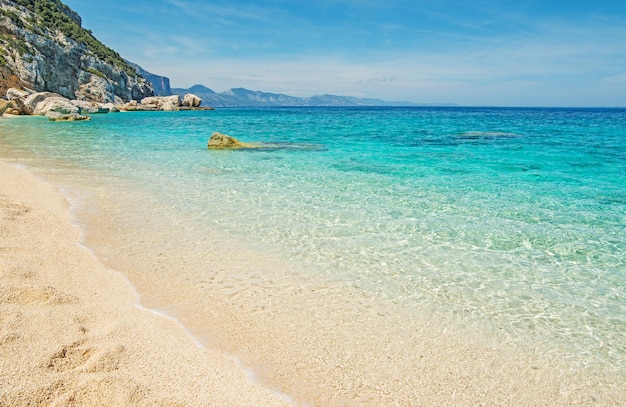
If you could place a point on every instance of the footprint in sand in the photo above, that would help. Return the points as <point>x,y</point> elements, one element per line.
<point>34,295</point>
<point>70,357</point>
<point>12,210</point>
<point>89,359</point>
<point>106,360</point>
<point>11,337</point>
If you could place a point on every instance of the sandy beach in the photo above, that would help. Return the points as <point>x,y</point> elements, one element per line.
<point>72,332</point>
<point>322,204</point>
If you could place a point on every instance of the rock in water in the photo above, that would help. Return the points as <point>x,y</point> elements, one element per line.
<point>62,117</point>
<point>219,141</point>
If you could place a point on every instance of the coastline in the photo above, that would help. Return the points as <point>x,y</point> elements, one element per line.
<point>72,331</point>
<point>321,340</point>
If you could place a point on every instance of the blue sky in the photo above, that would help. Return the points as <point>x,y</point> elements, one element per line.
<point>470,52</point>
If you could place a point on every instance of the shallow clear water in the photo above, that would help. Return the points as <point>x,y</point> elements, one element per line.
<point>512,218</point>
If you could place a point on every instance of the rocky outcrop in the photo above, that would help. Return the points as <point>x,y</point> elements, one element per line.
<point>85,107</point>
<point>110,107</point>
<point>164,103</point>
<point>14,94</point>
<point>41,103</point>
<point>10,108</point>
<point>57,104</point>
<point>219,141</point>
<point>191,100</point>
<point>5,105</point>
<point>66,117</point>
<point>161,102</point>
<point>50,51</point>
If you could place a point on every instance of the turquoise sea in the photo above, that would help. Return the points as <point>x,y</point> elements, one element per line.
<point>506,221</point>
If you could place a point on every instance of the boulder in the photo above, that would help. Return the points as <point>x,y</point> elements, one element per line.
<point>14,112</point>
<point>160,103</point>
<point>5,105</point>
<point>150,101</point>
<point>40,103</point>
<point>170,102</point>
<point>15,94</point>
<point>219,141</point>
<point>62,117</point>
<point>130,106</point>
<point>33,99</point>
<point>17,97</point>
<point>191,100</point>
<point>110,107</point>
<point>174,100</point>
<point>55,104</point>
<point>86,107</point>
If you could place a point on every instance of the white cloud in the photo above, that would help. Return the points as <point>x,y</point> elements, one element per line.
<point>266,48</point>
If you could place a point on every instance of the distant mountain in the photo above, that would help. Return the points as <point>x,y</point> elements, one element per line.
<point>240,97</point>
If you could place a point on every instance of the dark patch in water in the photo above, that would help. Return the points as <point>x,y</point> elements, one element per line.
<point>292,146</point>
<point>465,137</point>
<point>581,164</point>
<point>268,147</point>
<point>444,142</point>
<point>485,135</point>
<point>357,166</point>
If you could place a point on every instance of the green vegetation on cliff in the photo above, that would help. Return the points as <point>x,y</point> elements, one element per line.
<point>57,16</point>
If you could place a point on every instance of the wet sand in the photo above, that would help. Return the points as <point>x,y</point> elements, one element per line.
<point>72,331</point>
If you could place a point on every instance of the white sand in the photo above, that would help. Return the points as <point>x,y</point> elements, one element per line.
<point>71,331</point>
<point>73,334</point>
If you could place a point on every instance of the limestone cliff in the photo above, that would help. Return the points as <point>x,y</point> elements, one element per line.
<point>43,47</point>
<point>161,84</point>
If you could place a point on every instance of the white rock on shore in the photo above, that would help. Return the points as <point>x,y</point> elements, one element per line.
<point>191,100</point>
<point>55,104</point>
<point>40,103</point>
<point>15,94</point>
<point>162,102</point>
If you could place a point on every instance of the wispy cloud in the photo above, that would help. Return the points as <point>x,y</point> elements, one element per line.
<point>470,52</point>
<point>210,11</point>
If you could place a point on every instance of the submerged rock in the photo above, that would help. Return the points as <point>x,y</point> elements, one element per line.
<point>63,117</point>
<point>219,141</point>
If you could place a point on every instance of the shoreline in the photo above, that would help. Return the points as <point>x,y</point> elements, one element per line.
<point>326,357</point>
<point>73,332</point>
